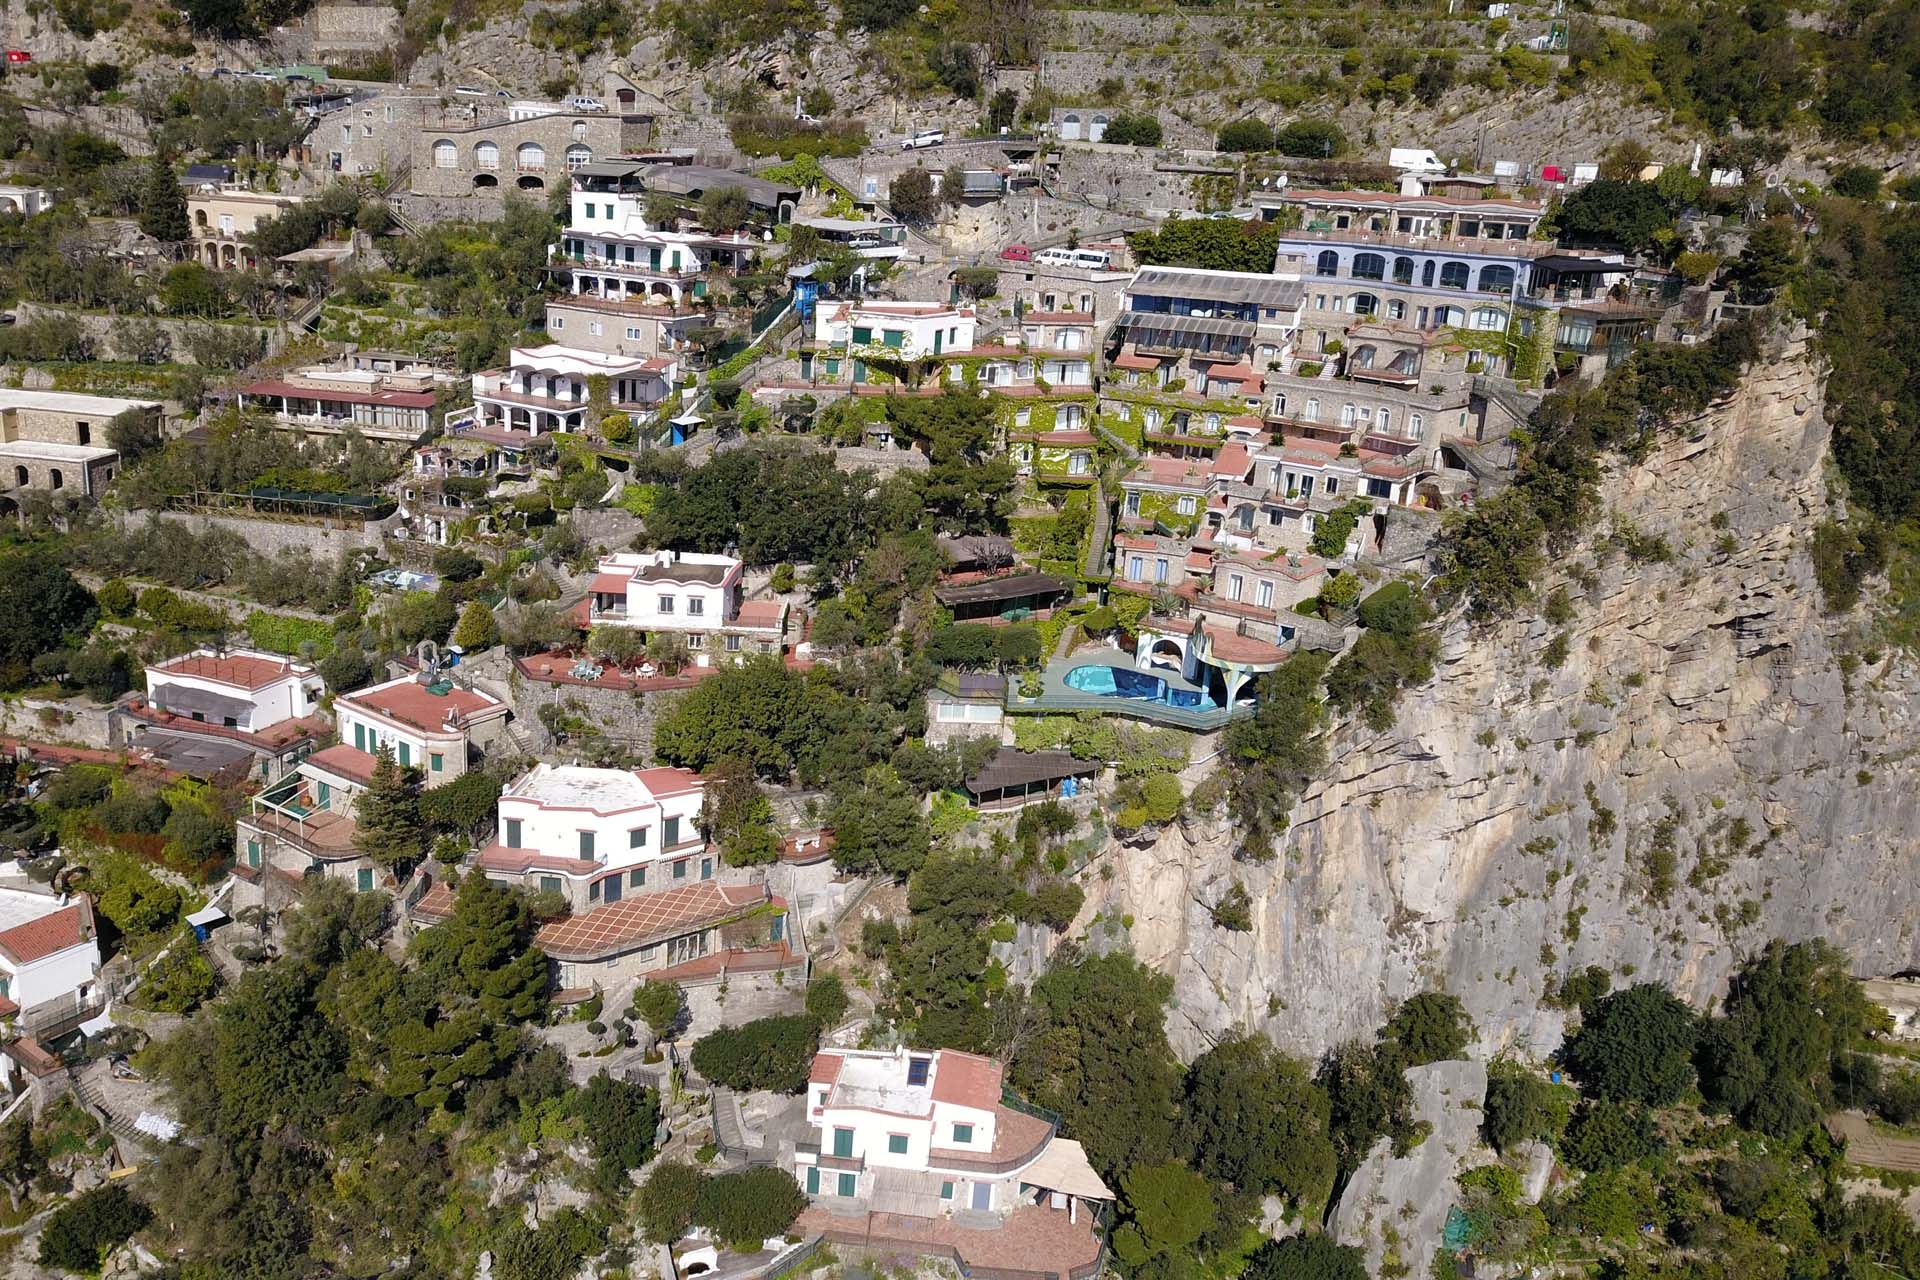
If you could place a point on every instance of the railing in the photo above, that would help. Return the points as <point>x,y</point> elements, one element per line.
<point>791,1259</point>
<point>1133,708</point>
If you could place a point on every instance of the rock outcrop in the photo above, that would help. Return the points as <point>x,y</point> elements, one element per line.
<point>1711,762</point>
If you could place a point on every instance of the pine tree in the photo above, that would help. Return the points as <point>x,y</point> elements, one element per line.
<point>387,814</point>
<point>163,205</point>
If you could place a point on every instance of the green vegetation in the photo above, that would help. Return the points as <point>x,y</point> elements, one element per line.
<point>1215,244</point>
<point>771,1053</point>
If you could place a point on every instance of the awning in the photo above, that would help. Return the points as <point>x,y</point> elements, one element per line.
<point>1134,322</point>
<point>1063,1167</point>
<point>186,700</point>
<point>1270,292</point>
<point>1018,587</point>
<point>206,917</point>
<point>613,584</point>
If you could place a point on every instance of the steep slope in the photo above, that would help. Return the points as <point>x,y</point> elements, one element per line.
<point>1709,767</point>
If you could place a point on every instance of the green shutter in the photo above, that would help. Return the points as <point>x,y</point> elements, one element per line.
<point>843,1143</point>
<point>586,844</point>
<point>946,1191</point>
<point>322,793</point>
<point>848,1185</point>
<point>897,1144</point>
<point>364,879</point>
<point>862,335</point>
<point>813,1179</point>
<point>439,761</point>
<point>253,853</point>
<point>359,737</point>
<point>406,755</point>
<point>963,1133</point>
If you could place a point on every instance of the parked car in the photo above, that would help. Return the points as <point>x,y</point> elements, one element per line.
<point>583,103</point>
<point>923,138</point>
<point>1017,253</point>
<point>17,56</point>
<point>471,91</point>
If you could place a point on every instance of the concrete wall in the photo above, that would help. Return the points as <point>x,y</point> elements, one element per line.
<point>323,540</point>
<point>101,329</point>
<point>71,722</point>
<point>353,28</point>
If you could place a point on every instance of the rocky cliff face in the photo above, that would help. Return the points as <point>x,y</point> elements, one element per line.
<point>1713,764</point>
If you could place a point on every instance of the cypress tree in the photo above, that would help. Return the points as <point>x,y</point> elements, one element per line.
<point>163,205</point>
<point>387,814</point>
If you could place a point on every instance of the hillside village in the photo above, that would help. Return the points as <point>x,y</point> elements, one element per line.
<point>593,630</point>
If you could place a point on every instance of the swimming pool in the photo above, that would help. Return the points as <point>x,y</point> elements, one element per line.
<point>1122,682</point>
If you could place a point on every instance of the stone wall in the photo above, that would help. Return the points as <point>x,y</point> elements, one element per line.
<point>322,539</point>
<point>352,28</point>
<point>102,329</point>
<point>621,716</point>
<point>70,721</point>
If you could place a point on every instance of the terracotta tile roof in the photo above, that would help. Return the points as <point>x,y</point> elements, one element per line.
<point>238,670</point>
<point>339,395</point>
<point>413,704</point>
<point>610,583</point>
<point>665,781</point>
<point>966,1079</point>
<point>56,931</point>
<point>347,762</point>
<point>497,857</point>
<point>32,1055</point>
<point>764,614</point>
<point>1134,360</point>
<point>1233,460</point>
<point>1173,472</point>
<point>825,1069</point>
<point>1229,646</point>
<point>649,918</point>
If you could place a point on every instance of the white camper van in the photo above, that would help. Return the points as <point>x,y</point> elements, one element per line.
<point>1412,160</point>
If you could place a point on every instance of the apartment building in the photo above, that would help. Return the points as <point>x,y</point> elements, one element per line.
<point>57,440</point>
<point>696,597</point>
<point>200,704</point>
<point>221,219</point>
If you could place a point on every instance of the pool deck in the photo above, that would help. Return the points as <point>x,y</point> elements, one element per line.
<point>1056,695</point>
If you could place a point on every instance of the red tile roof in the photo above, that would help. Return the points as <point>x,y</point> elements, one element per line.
<point>497,857</point>
<point>1134,360</point>
<point>966,1079</point>
<point>411,703</point>
<point>347,762</point>
<point>665,781</point>
<point>339,395</point>
<point>38,939</point>
<point>759,613</point>
<point>825,1069</point>
<point>1057,317</point>
<point>237,670</point>
<point>649,918</point>
<point>32,1055</point>
<point>610,583</point>
<point>1233,460</point>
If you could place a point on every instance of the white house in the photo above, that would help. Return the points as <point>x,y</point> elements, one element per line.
<point>601,835</point>
<point>695,596</point>
<point>550,388</point>
<point>907,328</point>
<point>303,824</point>
<point>49,958</point>
<point>234,688</point>
<point>25,201</point>
<point>429,726</point>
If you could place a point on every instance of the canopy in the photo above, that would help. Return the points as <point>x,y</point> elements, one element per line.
<point>1063,1167</point>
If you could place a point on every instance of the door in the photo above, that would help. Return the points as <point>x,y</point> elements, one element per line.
<point>982,1195</point>
<point>359,737</point>
<point>322,793</point>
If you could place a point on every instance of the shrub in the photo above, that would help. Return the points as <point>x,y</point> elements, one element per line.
<point>1856,182</point>
<point>278,633</point>
<point>80,1232</point>
<point>1245,135</point>
<point>1318,138</point>
<point>773,1054</point>
<point>1136,129</point>
<point>827,1001</point>
<point>743,1209</point>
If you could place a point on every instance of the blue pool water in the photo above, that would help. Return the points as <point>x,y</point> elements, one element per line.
<point>1120,682</point>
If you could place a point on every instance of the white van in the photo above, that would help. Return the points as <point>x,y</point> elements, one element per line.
<point>923,138</point>
<point>1085,259</point>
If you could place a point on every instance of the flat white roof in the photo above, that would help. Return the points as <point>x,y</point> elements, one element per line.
<point>879,1084</point>
<point>573,360</point>
<point>577,787</point>
<point>21,906</point>
<point>70,402</point>
<point>49,452</point>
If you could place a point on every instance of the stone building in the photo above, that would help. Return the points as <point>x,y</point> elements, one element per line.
<point>56,441</point>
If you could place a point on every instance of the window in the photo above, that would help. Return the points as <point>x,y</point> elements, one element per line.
<point>696,606</point>
<point>406,754</point>
<point>550,884</point>
<point>1369,266</point>
<point>1235,585</point>
<point>253,853</point>
<point>1160,570</point>
<point>1416,424</point>
<point>1496,279</point>
<point>733,644</point>
<point>637,838</point>
<point>363,879</point>
<point>1403,270</point>
<point>486,155</point>
<point>85,431</point>
<point>962,1134</point>
<point>849,1183</point>
<point>513,833</point>
<point>593,892</point>
<point>946,1191</point>
<point>1426,273</point>
<point>917,1070</point>
<point>610,890</point>
<point>637,878</point>
<point>843,1143</point>
<point>445,154</point>
<point>586,844</point>
<point>1365,304</point>
<point>706,868</point>
<point>1396,310</point>
<point>437,762</point>
<point>666,604</point>
<point>633,333</point>
<point>897,1144</point>
<point>578,155</point>
<point>595,328</point>
<point>670,832</point>
<point>680,869</point>
<point>1453,275</point>
<point>1136,568</point>
<point>530,155</point>
<point>1327,264</point>
<point>1363,356</point>
<point>1263,594</point>
<point>1488,319</point>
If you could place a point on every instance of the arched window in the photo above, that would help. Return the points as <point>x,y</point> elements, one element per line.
<point>577,155</point>
<point>1403,270</point>
<point>1453,275</point>
<point>1369,266</point>
<point>1449,318</point>
<point>20,477</point>
<point>1328,263</point>
<point>485,182</point>
<point>486,155</point>
<point>1365,304</point>
<point>1363,356</point>
<point>446,155</point>
<point>1489,319</point>
<point>1496,279</point>
<point>200,219</point>
<point>531,155</point>
<point>528,182</point>
<point>1404,364</point>
<point>1426,274</point>
<point>1415,423</point>
<point>59,481</point>
<point>579,130</point>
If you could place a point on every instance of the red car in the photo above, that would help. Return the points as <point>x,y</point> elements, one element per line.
<point>17,56</point>
<point>1017,253</point>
